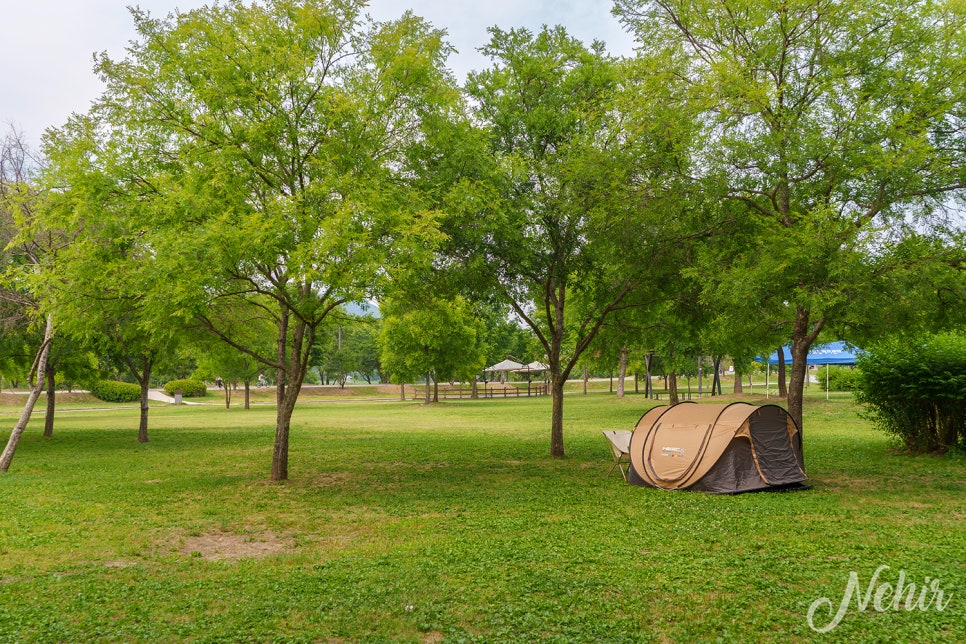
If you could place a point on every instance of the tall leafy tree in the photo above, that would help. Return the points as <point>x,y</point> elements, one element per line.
<point>107,287</point>
<point>916,283</point>
<point>825,123</point>
<point>349,344</point>
<point>268,142</point>
<point>215,359</point>
<point>26,249</point>
<point>439,339</point>
<point>67,362</point>
<point>568,219</point>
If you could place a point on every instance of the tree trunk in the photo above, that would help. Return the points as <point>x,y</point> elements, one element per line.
<point>280,382</point>
<point>402,392</point>
<point>802,339</point>
<point>648,383</point>
<point>700,378</point>
<point>227,396</point>
<point>248,386</point>
<point>51,403</point>
<point>739,386</point>
<point>672,388</point>
<point>428,397</point>
<point>145,385</point>
<point>671,379</point>
<point>40,364</point>
<point>475,393</point>
<point>292,376</point>
<point>716,381</point>
<point>557,383</point>
<point>283,423</point>
<point>586,378</point>
<point>782,388</point>
<point>622,373</point>
<point>435,390</point>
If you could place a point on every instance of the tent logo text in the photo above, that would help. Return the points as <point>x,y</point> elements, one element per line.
<point>883,595</point>
<point>673,452</point>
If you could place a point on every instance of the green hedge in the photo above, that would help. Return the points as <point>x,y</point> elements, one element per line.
<point>916,390</point>
<point>839,378</point>
<point>189,388</point>
<point>114,391</point>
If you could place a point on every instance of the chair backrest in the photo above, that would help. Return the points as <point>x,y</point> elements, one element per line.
<point>620,441</point>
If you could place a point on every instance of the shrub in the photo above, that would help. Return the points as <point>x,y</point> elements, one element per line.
<point>916,390</point>
<point>839,378</point>
<point>189,388</point>
<point>114,391</point>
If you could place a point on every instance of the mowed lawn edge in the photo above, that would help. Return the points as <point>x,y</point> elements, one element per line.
<point>449,522</point>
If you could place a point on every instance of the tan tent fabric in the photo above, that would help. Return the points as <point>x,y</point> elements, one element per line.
<point>682,447</point>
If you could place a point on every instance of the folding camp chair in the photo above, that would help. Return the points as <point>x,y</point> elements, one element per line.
<point>620,446</point>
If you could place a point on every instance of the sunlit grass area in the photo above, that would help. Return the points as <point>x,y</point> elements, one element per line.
<point>449,522</point>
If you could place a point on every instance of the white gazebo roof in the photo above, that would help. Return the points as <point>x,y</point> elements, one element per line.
<point>506,365</point>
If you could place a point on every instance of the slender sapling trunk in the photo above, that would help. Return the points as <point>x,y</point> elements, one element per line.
<point>40,368</point>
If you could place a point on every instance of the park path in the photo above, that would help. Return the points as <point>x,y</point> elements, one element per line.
<point>160,396</point>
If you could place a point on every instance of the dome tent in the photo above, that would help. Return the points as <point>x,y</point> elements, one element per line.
<point>719,448</point>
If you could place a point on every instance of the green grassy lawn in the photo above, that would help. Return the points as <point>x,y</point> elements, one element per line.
<point>403,522</point>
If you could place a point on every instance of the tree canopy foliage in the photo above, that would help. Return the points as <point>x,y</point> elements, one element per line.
<point>576,148</point>
<point>761,171</point>
<point>258,154</point>
<point>827,126</point>
<point>915,389</point>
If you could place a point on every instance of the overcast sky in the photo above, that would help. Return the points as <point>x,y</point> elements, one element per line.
<point>46,46</point>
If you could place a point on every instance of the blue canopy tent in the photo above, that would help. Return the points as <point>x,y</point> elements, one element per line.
<point>838,353</point>
<point>823,354</point>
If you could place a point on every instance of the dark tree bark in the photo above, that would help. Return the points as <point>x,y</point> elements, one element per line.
<point>716,381</point>
<point>782,388</point>
<point>672,388</point>
<point>51,402</point>
<point>700,378</point>
<point>804,334</point>
<point>556,426</point>
<point>648,383</point>
<point>282,427</point>
<point>622,373</point>
<point>145,381</point>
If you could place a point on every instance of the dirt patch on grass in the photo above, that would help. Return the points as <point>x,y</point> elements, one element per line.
<point>227,546</point>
